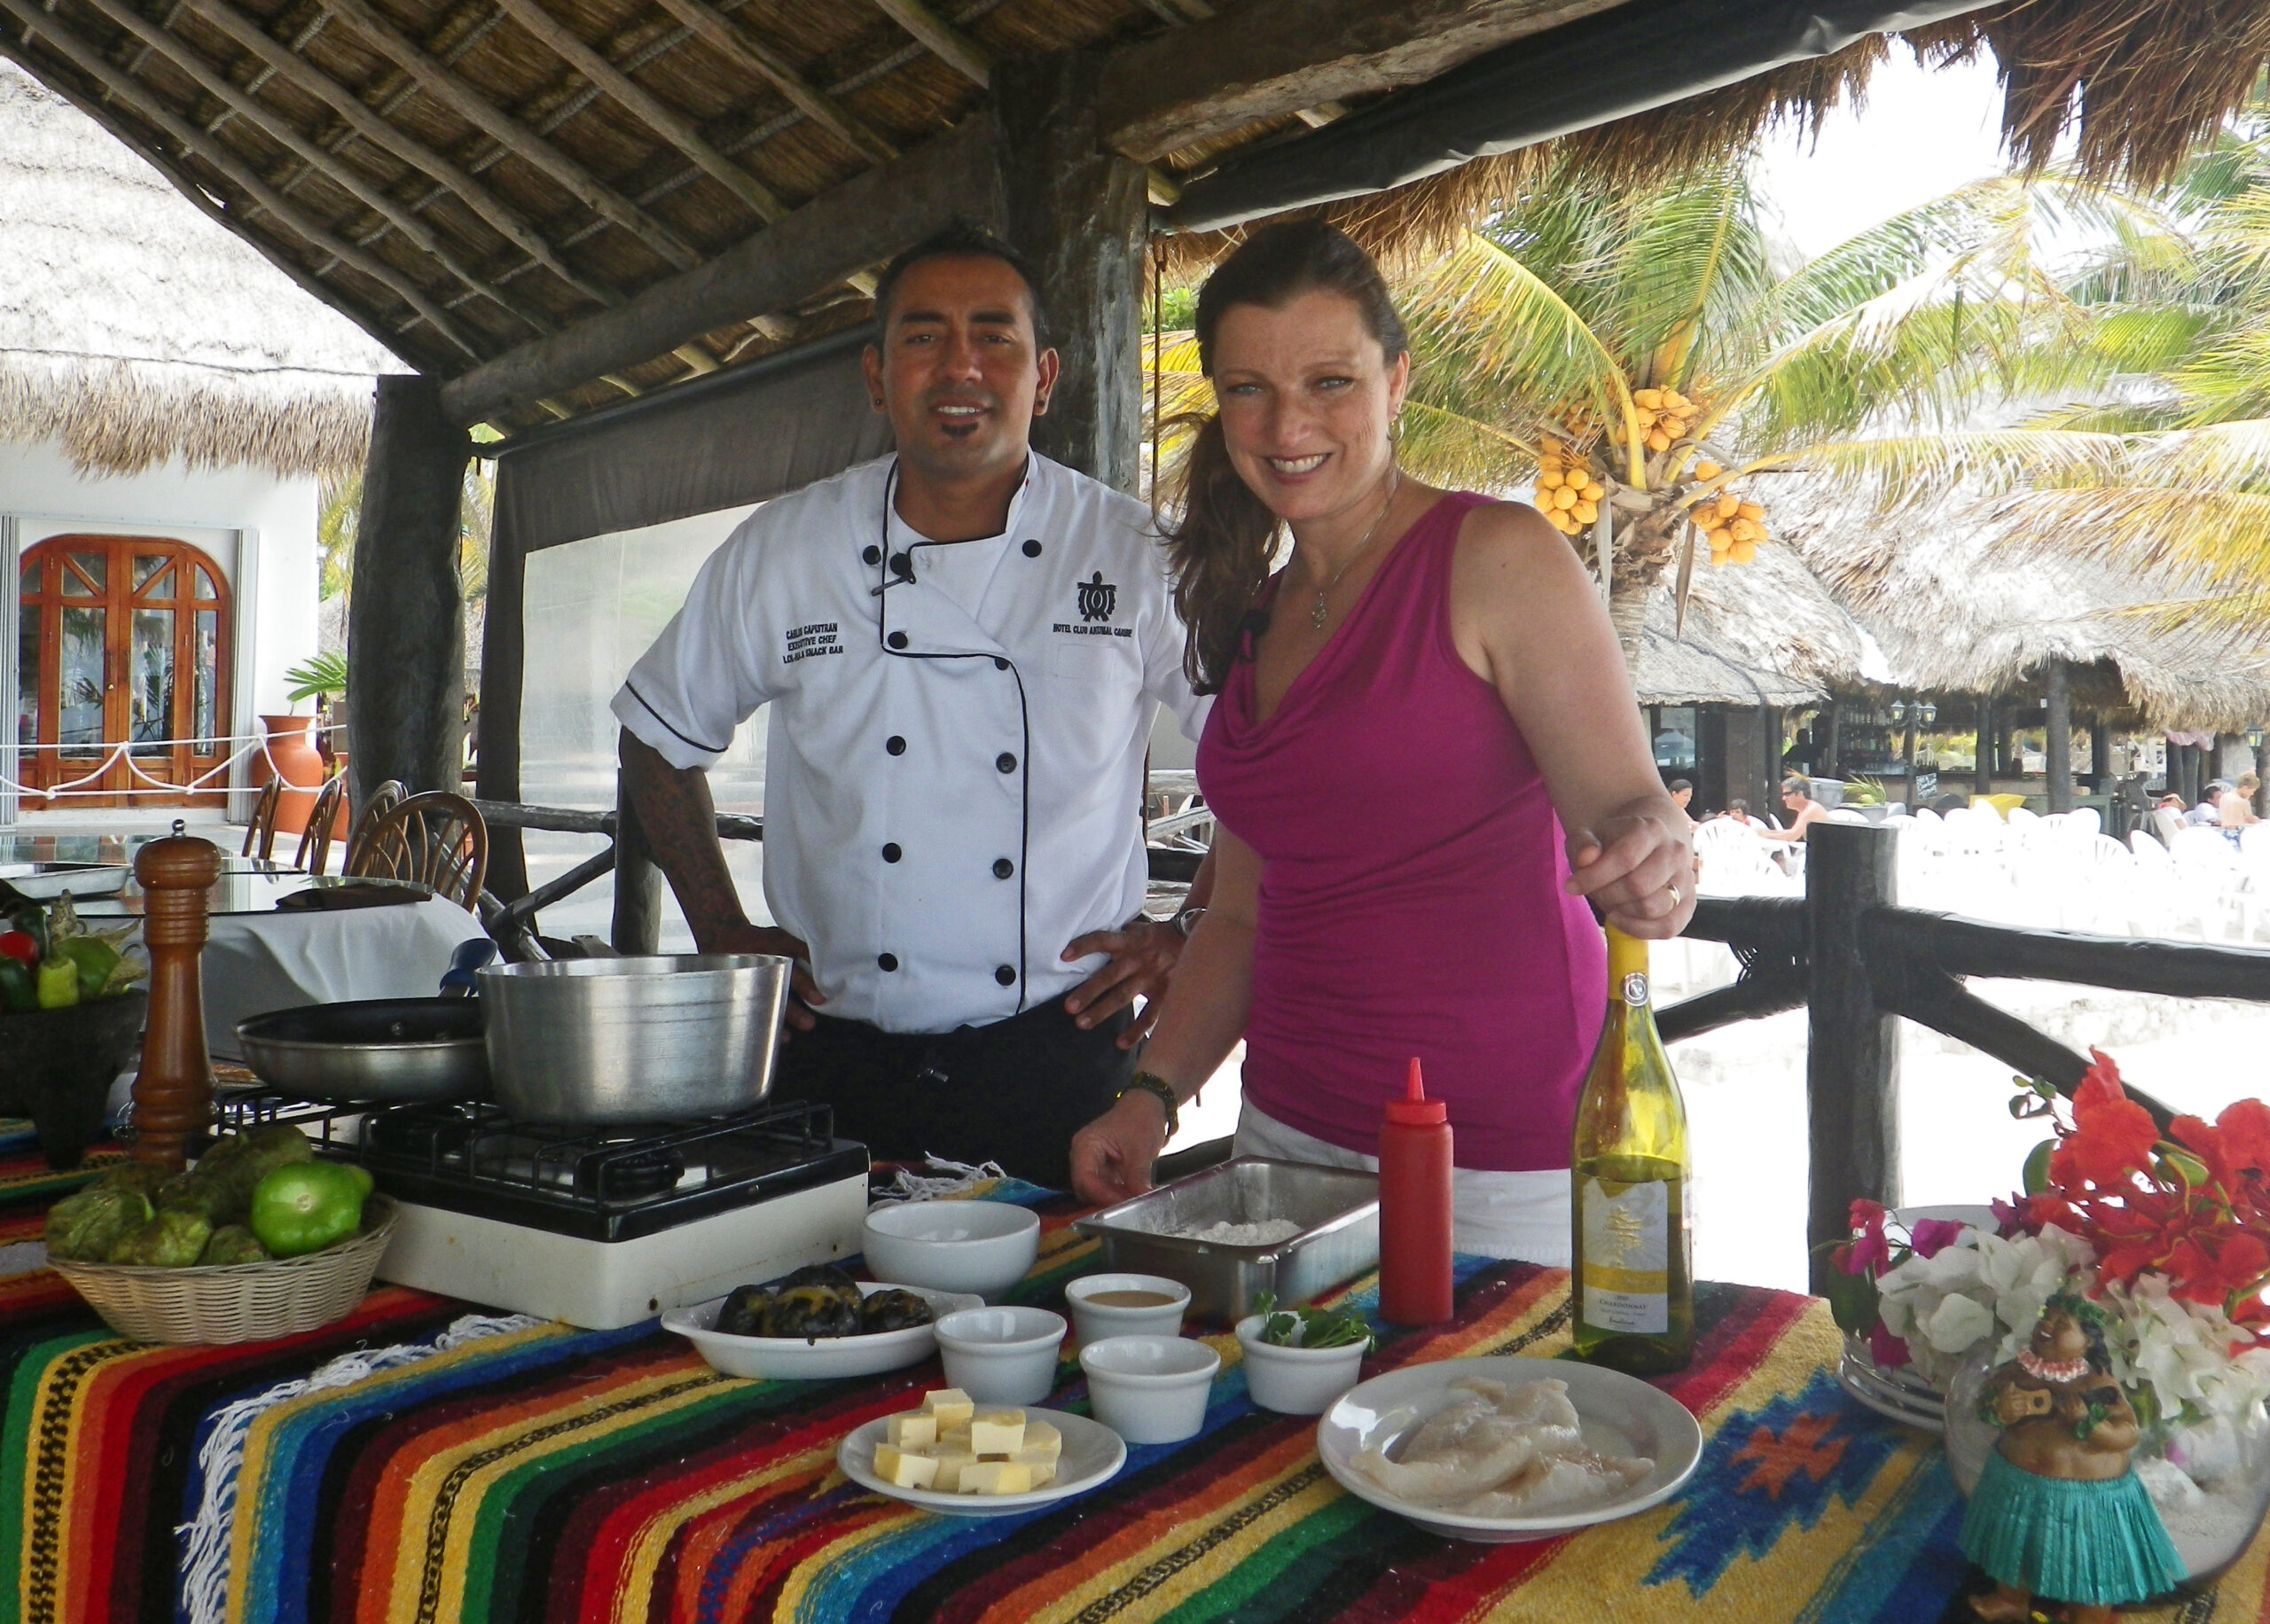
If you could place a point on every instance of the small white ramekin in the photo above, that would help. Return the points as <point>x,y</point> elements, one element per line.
<point>1296,1381</point>
<point>1150,1389</point>
<point>1092,1321</point>
<point>1001,1355</point>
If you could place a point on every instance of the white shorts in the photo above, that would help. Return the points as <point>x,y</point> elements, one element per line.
<point>1523,1215</point>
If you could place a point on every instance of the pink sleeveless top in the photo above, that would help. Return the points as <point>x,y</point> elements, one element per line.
<point>1411,898</point>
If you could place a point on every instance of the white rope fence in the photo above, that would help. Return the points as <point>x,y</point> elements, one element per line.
<point>125,751</point>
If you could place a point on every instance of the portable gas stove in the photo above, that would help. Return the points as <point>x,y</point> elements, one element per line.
<point>605,1227</point>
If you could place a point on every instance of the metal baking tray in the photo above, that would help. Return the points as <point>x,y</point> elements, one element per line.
<point>1338,1208</point>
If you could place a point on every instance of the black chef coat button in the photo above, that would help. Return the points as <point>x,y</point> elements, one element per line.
<point>902,565</point>
<point>1003,868</point>
<point>886,960</point>
<point>1005,761</point>
<point>897,639</point>
<point>874,555</point>
<point>1000,664</point>
<point>895,744</point>
<point>891,852</point>
<point>1032,549</point>
<point>1005,976</point>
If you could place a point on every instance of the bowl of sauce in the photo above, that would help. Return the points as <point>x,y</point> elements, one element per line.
<point>1121,1305</point>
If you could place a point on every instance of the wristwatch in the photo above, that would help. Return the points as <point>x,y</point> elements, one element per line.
<point>1186,921</point>
<point>1152,1083</point>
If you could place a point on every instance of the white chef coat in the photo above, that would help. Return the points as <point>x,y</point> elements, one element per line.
<point>955,760</point>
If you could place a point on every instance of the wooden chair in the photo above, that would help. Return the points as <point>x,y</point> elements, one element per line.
<point>260,834</point>
<point>437,839</point>
<point>315,839</point>
<point>384,798</point>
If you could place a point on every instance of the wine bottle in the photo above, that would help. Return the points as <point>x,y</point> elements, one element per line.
<point>1632,1288</point>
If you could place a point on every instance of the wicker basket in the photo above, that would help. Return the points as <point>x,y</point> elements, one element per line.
<point>240,1302</point>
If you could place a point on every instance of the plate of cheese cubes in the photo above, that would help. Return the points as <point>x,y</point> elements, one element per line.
<point>967,1460</point>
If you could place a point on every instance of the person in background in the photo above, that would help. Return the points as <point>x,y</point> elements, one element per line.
<point>1681,793</point>
<point>2234,807</point>
<point>1449,645</point>
<point>1804,810</point>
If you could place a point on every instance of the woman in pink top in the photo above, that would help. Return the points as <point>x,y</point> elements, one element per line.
<point>1426,764</point>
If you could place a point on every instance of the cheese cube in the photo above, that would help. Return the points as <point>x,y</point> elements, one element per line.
<point>996,1478</point>
<point>951,1464</point>
<point>1042,1443</point>
<point>998,1432</point>
<point>903,1468</point>
<point>911,1430</point>
<point>951,1405</point>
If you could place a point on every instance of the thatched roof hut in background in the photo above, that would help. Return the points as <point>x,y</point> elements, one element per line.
<point>133,332</point>
<point>1953,616</point>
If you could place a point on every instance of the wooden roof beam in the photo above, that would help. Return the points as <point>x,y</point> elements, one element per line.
<point>827,241</point>
<point>753,56</point>
<point>467,188</point>
<point>468,104</point>
<point>942,39</point>
<point>181,55</point>
<point>129,92</point>
<point>137,141</point>
<point>1272,58</point>
<point>658,115</point>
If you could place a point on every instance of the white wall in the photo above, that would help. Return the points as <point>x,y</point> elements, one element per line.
<point>47,496</point>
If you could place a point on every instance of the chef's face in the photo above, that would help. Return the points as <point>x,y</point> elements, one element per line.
<point>1306,395</point>
<point>959,372</point>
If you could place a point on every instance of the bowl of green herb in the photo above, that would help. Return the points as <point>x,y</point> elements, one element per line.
<point>1298,1361</point>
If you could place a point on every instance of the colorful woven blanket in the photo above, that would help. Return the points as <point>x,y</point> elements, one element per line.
<point>458,1468</point>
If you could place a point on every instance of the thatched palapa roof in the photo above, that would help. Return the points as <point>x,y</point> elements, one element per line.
<point>549,204</point>
<point>132,330</point>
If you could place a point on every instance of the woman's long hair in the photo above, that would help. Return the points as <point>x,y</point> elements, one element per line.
<point>1221,543</point>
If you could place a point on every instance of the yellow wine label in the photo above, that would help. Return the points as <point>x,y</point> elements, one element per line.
<point>1627,1255</point>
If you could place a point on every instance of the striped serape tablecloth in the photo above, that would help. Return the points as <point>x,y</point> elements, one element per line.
<point>424,1460</point>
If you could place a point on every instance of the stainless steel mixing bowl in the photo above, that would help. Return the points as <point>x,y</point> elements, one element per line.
<point>633,1040</point>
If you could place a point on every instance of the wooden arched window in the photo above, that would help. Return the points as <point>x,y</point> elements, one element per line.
<point>122,638</point>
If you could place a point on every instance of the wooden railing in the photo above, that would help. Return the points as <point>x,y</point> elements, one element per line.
<point>1855,960</point>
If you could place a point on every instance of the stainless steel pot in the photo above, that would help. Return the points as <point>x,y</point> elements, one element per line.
<point>386,1048</point>
<point>633,1040</point>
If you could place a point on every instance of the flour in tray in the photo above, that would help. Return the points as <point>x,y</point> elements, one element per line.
<point>1224,1233</point>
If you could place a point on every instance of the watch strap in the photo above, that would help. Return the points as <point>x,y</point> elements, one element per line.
<point>1152,1083</point>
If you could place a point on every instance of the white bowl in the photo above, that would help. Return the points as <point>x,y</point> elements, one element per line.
<point>981,1246</point>
<point>816,1358</point>
<point>1092,1321</point>
<point>1150,1389</point>
<point>1296,1381</point>
<point>1001,1355</point>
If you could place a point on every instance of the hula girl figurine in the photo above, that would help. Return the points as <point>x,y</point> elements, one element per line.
<point>2058,1513</point>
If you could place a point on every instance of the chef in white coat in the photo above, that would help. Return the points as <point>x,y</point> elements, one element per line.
<point>963,646</point>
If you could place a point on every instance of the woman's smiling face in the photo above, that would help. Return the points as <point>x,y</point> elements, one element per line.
<point>1305,397</point>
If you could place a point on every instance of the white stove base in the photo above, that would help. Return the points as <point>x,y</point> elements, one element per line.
<point>600,1285</point>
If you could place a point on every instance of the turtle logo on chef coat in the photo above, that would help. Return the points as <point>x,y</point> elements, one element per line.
<point>1098,598</point>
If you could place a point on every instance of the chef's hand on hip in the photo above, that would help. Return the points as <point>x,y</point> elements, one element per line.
<point>745,938</point>
<point>1638,871</point>
<point>1112,1156</point>
<point>1142,957</point>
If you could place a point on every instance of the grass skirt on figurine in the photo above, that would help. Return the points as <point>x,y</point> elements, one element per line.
<point>2097,1543</point>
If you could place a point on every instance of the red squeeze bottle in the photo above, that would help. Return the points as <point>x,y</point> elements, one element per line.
<point>1415,1207</point>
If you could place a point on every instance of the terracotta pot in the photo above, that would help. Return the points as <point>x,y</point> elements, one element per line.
<point>290,753</point>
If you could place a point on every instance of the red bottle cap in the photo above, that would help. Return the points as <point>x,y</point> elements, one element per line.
<point>1414,1109</point>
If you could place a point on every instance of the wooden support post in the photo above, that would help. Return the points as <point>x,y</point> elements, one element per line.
<point>1982,768</point>
<point>638,882</point>
<point>1853,1052</point>
<point>405,621</point>
<point>173,1086</point>
<point>1082,215</point>
<point>2057,748</point>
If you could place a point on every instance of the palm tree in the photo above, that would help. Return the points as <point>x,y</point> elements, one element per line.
<point>1649,355</point>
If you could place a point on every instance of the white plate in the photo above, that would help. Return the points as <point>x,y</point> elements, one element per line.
<point>48,880</point>
<point>817,1358</point>
<point>1620,1415</point>
<point>1092,1455</point>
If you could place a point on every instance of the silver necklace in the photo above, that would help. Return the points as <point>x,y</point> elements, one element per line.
<point>1320,610</point>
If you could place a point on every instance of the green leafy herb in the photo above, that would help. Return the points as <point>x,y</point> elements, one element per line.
<point>1341,1327</point>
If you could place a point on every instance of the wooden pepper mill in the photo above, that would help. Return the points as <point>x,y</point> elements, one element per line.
<point>173,1090</point>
